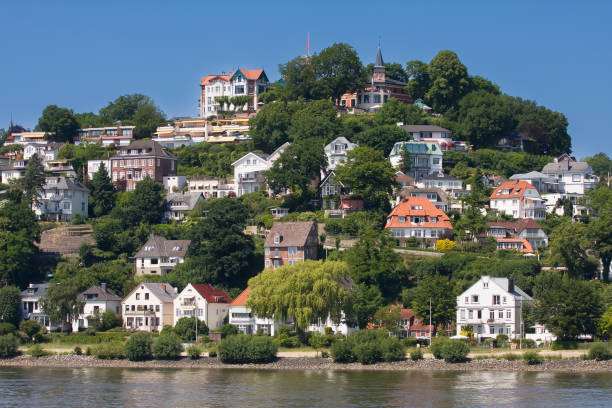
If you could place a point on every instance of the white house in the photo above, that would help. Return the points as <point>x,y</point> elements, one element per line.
<point>422,132</point>
<point>96,300</point>
<point>542,182</point>
<point>526,228</point>
<point>31,307</point>
<point>492,306</point>
<point>240,316</point>
<point>203,301</point>
<point>425,158</point>
<point>14,170</point>
<point>94,165</point>
<point>159,255</point>
<point>174,183</point>
<point>337,150</point>
<point>149,307</point>
<point>552,204</point>
<point>572,176</point>
<point>518,199</point>
<point>440,180</point>
<point>178,204</point>
<point>44,151</point>
<point>249,170</point>
<point>62,198</point>
<point>240,82</point>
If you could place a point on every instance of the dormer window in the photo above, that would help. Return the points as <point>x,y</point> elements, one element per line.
<point>433,220</point>
<point>402,219</point>
<point>149,248</point>
<point>176,248</point>
<point>277,239</point>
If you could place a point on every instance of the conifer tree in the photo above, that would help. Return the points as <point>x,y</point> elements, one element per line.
<point>102,192</point>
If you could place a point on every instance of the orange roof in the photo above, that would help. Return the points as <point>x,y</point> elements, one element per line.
<point>248,73</point>
<point>515,188</point>
<point>207,79</point>
<point>426,208</point>
<point>252,73</point>
<point>526,245</point>
<point>242,298</point>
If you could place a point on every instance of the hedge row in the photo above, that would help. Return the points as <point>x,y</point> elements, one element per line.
<point>368,347</point>
<point>245,349</point>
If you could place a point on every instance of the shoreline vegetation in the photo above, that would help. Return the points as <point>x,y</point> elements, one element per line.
<point>554,364</point>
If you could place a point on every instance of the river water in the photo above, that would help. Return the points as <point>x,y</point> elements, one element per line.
<point>118,387</point>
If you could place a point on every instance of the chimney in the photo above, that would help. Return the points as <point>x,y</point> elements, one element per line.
<point>103,286</point>
<point>163,287</point>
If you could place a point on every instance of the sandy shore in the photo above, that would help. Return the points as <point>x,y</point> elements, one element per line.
<point>309,363</point>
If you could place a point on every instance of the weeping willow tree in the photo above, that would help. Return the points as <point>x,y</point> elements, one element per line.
<point>304,292</point>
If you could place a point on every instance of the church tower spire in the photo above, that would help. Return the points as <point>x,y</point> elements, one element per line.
<point>379,59</point>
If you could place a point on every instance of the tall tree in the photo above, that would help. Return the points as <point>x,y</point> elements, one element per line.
<point>568,307</point>
<point>368,174</point>
<point>449,81</point>
<point>419,79</point>
<point>300,79</point>
<point>146,202</point>
<point>600,163</point>
<point>135,109</point>
<point>146,119</point>
<point>484,117</point>
<point>102,192</point>
<point>33,180</point>
<point>382,138</point>
<point>61,303</point>
<point>315,120</point>
<point>568,247</point>
<point>10,305</point>
<point>338,70</point>
<point>60,124</point>
<point>268,129</point>
<point>304,292</point>
<point>395,111</point>
<point>438,292</point>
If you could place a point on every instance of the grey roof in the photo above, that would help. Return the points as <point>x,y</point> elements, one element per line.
<point>530,176</point>
<point>162,247</point>
<point>572,167</point>
<point>418,192</point>
<point>163,291</point>
<point>379,59</point>
<point>504,283</point>
<point>147,148</point>
<point>439,176</point>
<point>190,199</point>
<point>293,234</point>
<point>424,128</point>
<point>262,155</point>
<point>64,183</point>
<point>35,290</point>
<point>99,292</point>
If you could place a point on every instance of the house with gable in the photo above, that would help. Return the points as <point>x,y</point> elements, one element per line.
<point>159,255</point>
<point>149,307</point>
<point>177,205</point>
<point>440,180</point>
<point>572,176</point>
<point>14,170</point>
<point>32,308</point>
<point>417,217</point>
<point>291,242</point>
<point>96,300</point>
<point>336,151</point>
<point>249,170</point>
<point>518,199</point>
<point>45,151</point>
<point>527,231</point>
<point>203,301</point>
<point>424,158</point>
<point>62,198</point>
<point>492,306</point>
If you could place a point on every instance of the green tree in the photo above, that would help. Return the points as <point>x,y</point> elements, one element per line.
<point>484,117</point>
<point>61,303</point>
<point>59,124</point>
<point>600,163</point>
<point>316,120</point>
<point>296,167</point>
<point>605,324</point>
<point>102,195</point>
<point>304,292</point>
<point>300,79</point>
<point>599,230</point>
<point>10,305</point>
<point>185,328</point>
<point>449,81</point>
<point>146,202</point>
<point>568,247</point>
<point>88,119</point>
<point>389,319</point>
<point>239,101</point>
<point>146,119</point>
<point>368,174</point>
<point>419,79</point>
<point>363,303</point>
<point>438,291</point>
<point>268,129</point>
<point>568,307</point>
<point>33,180</point>
<point>394,111</point>
<point>135,109</point>
<point>382,138</point>
<point>338,70</point>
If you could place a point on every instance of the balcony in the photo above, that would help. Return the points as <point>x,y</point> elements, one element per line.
<point>139,313</point>
<point>188,303</point>
<point>490,320</point>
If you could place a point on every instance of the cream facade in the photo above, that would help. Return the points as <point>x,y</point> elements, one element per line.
<point>149,307</point>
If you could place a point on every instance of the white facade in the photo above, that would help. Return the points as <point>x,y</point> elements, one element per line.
<point>149,307</point>
<point>249,173</point>
<point>96,300</point>
<point>337,150</point>
<point>14,171</point>
<point>192,303</point>
<point>578,209</point>
<point>94,165</point>
<point>425,158</point>
<point>441,181</point>
<point>44,151</point>
<point>338,328</point>
<point>572,177</point>
<point>62,198</point>
<point>518,200</point>
<point>31,307</point>
<point>492,306</point>
<point>238,83</point>
<point>174,183</point>
<point>248,323</point>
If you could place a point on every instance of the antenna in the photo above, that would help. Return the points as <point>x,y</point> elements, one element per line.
<point>308,44</point>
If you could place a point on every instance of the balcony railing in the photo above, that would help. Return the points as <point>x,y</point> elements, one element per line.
<point>139,313</point>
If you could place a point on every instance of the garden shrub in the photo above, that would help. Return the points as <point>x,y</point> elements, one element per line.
<point>185,328</point>
<point>368,353</point>
<point>109,351</point>
<point>9,346</point>
<point>138,347</point>
<point>212,353</point>
<point>410,342</point>
<point>599,352</point>
<point>532,358</point>
<point>37,351</point>
<point>455,351</point>
<point>416,355</point>
<point>229,329</point>
<point>244,349</point>
<point>78,351</point>
<point>501,340</point>
<point>285,341</point>
<point>525,343</point>
<point>31,328</point>
<point>393,349</point>
<point>564,345</point>
<point>6,328</point>
<point>167,347</point>
<point>511,356</point>
<point>436,346</point>
<point>317,340</point>
<point>194,352</point>
<point>342,352</point>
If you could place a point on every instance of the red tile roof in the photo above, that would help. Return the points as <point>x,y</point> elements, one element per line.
<point>211,294</point>
<point>516,189</point>
<point>526,245</point>
<point>404,209</point>
<point>406,314</point>
<point>517,226</point>
<point>252,73</point>
<point>242,298</point>
<point>207,79</point>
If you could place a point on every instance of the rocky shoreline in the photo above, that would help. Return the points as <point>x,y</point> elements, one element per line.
<point>310,363</point>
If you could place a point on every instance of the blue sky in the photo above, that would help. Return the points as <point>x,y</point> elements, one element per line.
<point>82,54</point>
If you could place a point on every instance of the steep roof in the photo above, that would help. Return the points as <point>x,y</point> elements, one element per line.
<point>406,314</point>
<point>99,292</point>
<point>189,198</point>
<point>379,59</point>
<point>162,247</point>
<point>509,286</point>
<point>293,234</point>
<point>64,183</point>
<point>515,189</point>
<point>262,156</point>
<point>211,294</point>
<point>163,291</point>
<point>424,207</point>
<point>146,147</point>
<point>35,290</point>
<point>252,73</point>
<point>242,298</point>
<point>563,167</point>
<point>531,175</point>
<point>208,79</point>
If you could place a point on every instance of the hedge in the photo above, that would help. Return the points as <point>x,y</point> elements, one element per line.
<point>84,338</point>
<point>109,351</point>
<point>245,349</point>
<point>599,352</point>
<point>368,347</point>
<point>138,347</point>
<point>9,346</point>
<point>455,351</point>
<point>167,347</point>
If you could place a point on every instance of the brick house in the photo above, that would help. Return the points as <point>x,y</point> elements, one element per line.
<point>140,159</point>
<point>291,242</point>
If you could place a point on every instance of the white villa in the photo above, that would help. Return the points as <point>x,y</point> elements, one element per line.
<point>240,316</point>
<point>518,199</point>
<point>149,307</point>
<point>97,300</point>
<point>62,198</point>
<point>572,176</point>
<point>337,150</point>
<point>204,302</point>
<point>425,158</point>
<point>159,255</point>
<point>31,307</point>
<point>249,170</point>
<point>492,306</point>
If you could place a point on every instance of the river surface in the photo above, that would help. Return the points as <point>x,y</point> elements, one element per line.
<point>120,387</point>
